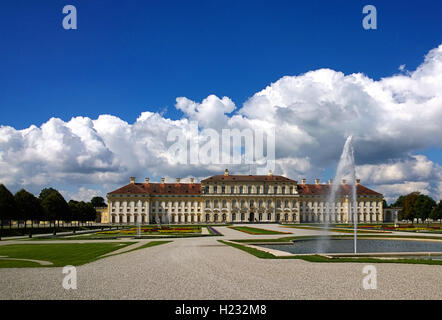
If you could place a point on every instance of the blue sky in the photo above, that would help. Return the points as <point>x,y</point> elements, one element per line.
<point>127,56</point>
<point>132,56</point>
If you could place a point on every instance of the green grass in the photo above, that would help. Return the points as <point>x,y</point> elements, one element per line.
<point>253,251</point>
<point>321,259</point>
<point>95,236</point>
<point>18,264</point>
<point>256,231</point>
<point>59,254</point>
<point>144,246</point>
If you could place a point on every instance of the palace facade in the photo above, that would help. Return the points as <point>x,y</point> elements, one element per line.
<point>239,198</point>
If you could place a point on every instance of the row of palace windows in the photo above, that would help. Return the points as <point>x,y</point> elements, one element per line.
<point>258,217</point>
<point>216,218</point>
<point>251,203</point>
<point>248,190</point>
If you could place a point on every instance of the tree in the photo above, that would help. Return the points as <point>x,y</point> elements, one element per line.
<point>82,211</point>
<point>8,208</point>
<point>436,213</point>
<point>90,212</point>
<point>399,202</point>
<point>415,206</point>
<point>29,207</point>
<point>423,206</point>
<point>408,211</point>
<point>45,192</point>
<point>55,207</point>
<point>98,202</point>
<point>384,204</point>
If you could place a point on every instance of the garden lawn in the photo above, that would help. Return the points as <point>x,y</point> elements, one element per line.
<point>60,254</point>
<point>257,231</point>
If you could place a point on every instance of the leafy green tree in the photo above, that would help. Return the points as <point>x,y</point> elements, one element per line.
<point>82,211</point>
<point>423,206</point>
<point>436,213</point>
<point>399,202</point>
<point>45,192</point>
<point>384,204</point>
<point>29,207</point>
<point>8,208</point>
<point>408,211</point>
<point>98,202</point>
<point>55,207</point>
<point>415,206</point>
<point>75,210</point>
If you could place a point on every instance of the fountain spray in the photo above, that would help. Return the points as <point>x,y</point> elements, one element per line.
<point>346,168</point>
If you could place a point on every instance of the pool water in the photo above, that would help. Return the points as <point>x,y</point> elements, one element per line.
<point>363,246</point>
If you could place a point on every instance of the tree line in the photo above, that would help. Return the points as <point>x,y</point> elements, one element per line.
<point>48,206</point>
<point>418,206</point>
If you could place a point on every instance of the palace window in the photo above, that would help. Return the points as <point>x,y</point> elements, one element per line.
<point>215,189</point>
<point>266,189</point>
<point>224,204</point>
<point>250,190</point>
<point>241,190</point>
<point>283,190</point>
<point>278,203</point>
<point>223,190</point>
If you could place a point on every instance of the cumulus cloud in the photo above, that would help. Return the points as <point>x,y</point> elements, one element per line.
<point>312,114</point>
<point>82,194</point>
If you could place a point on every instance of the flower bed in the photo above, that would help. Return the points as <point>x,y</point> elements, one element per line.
<point>213,231</point>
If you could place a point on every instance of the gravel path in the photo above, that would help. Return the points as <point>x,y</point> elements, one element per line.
<point>202,268</point>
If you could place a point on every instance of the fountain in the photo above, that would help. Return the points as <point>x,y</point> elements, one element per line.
<point>346,169</point>
<point>343,246</point>
<point>138,228</point>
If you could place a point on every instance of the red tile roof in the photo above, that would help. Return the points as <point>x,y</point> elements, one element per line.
<point>322,189</point>
<point>160,188</point>
<point>247,178</point>
<point>195,188</point>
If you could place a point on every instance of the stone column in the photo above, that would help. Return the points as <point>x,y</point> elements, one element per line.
<point>146,211</point>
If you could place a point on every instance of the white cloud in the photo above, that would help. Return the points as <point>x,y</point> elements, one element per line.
<point>393,191</point>
<point>82,194</point>
<point>391,119</point>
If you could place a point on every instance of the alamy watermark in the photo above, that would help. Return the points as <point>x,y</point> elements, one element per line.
<point>370,21</point>
<point>70,20</point>
<point>369,282</point>
<point>70,280</point>
<point>225,146</point>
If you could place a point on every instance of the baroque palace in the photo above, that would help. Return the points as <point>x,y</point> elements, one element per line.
<point>238,198</point>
